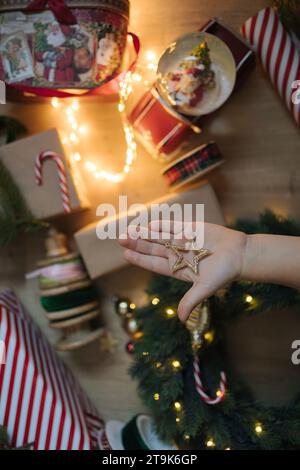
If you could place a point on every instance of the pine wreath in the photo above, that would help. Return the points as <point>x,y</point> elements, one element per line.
<point>163,364</point>
<point>289,12</point>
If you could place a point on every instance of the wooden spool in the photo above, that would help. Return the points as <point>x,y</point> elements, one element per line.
<point>77,323</point>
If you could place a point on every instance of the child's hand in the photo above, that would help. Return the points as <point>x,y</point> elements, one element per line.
<point>224,265</point>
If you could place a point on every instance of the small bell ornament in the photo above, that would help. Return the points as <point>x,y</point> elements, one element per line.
<point>198,323</point>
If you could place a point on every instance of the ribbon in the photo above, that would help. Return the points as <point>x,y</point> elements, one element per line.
<point>69,300</point>
<point>59,272</point>
<point>60,10</point>
<point>195,163</point>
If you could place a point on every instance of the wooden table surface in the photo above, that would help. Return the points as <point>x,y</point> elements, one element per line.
<point>260,142</point>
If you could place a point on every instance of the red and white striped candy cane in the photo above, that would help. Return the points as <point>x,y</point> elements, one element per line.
<point>278,54</point>
<point>200,389</point>
<point>103,441</point>
<point>63,184</point>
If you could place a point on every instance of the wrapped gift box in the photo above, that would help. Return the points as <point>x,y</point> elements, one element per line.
<point>104,256</point>
<point>43,201</point>
<point>41,403</point>
<point>163,130</point>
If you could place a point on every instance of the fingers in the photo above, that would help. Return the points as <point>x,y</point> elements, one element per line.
<point>180,230</point>
<point>145,247</point>
<point>168,226</point>
<point>136,233</point>
<point>152,263</point>
<point>197,293</point>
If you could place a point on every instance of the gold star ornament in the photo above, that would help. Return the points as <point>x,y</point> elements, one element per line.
<point>108,343</point>
<point>181,262</point>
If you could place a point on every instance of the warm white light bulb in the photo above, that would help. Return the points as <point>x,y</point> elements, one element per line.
<point>76,157</point>
<point>82,130</point>
<point>75,105</point>
<point>55,102</point>
<point>90,166</point>
<point>150,56</point>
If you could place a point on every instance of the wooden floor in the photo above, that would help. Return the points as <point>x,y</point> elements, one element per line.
<point>260,142</point>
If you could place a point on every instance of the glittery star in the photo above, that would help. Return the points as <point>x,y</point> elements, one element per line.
<point>182,263</point>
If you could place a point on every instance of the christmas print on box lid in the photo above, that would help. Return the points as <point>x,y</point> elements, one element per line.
<point>83,53</point>
<point>55,192</point>
<point>41,402</point>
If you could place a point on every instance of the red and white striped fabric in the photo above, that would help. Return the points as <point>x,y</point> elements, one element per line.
<point>103,441</point>
<point>278,54</point>
<point>40,400</point>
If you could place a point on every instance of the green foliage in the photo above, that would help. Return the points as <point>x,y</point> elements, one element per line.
<point>289,12</point>
<point>10,129</point>
<point>231,423</point>
<point>5,442</point>
<point>202,53</point>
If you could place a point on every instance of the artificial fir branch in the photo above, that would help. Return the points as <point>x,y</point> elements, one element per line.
<point>5,442</point>
<point>289,12</point>
<point>232,423</point>
<point>14,214</point>
<point>10,129</point>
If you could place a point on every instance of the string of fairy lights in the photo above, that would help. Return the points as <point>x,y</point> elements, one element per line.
<point>75,131</point>
<point>176,366</point>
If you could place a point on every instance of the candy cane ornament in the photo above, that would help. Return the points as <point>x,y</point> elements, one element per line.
<point>200,389</point>
<point>63,184</point>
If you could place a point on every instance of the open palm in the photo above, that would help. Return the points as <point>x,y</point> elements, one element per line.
<point>222,266</point>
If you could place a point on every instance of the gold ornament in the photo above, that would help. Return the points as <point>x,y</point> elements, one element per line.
<point>131,325</point>
<point>108,343</point>
<point>198,323</point>
<point>123,307</point>
<point>182,262</point>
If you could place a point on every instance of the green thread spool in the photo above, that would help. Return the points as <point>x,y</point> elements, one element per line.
<point>68,300</point>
